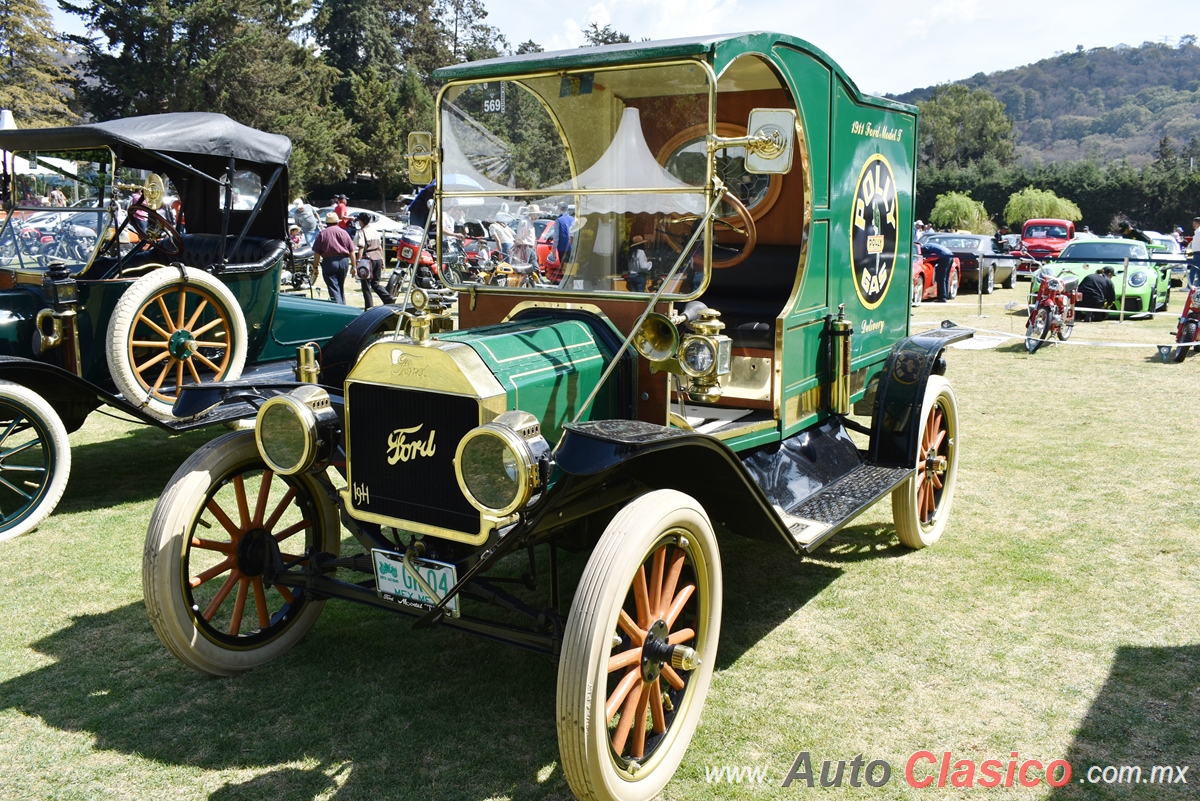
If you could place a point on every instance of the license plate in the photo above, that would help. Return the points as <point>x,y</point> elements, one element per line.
<point>394,583</point>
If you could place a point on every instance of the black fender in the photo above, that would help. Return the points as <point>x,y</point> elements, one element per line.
<point>72,397</point>
<point>336,359</point>
<point>620,459</point>
<point>901,391</point>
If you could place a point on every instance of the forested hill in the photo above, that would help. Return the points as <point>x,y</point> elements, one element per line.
<point>1102,104</point>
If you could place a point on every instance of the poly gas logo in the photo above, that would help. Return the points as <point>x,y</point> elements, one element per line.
<point>873,231</point>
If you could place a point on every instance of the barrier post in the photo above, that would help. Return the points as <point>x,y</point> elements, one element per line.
<point>1124,286</point>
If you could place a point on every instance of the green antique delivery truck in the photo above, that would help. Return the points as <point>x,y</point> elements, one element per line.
<point>732,302</point>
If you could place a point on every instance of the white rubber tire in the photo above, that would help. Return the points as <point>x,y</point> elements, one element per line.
<point>166,558</point>
<point>583,738</point>
<point>906,505</point>
<point>17,401</point>
<point>142,296</point>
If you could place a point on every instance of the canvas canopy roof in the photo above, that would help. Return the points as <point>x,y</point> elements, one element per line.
<point>194,133</point>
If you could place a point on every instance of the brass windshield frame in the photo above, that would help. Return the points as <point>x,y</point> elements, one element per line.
<point>707,190</point>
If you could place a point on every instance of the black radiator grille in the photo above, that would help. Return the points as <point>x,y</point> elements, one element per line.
<point>401,454</point>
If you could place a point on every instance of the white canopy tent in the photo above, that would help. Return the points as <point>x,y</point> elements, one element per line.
<point>629,164</point>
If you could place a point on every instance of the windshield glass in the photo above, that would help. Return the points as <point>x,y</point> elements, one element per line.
<point>575,178</point>
<point>56,211</point>
<point>1046,232</point>
<point>957,242</point>
<point>1105,251</point>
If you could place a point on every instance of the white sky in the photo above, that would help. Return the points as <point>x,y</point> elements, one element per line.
<point>883,45</point>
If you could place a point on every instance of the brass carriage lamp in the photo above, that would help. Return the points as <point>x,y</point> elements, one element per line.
<point>62,287</point>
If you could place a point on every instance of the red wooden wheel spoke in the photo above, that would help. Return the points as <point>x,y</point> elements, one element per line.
<point>239,607</point>
<point>221,595</point>
<point>223,519</point>
<point>935,481</point>
<point>656,708</point>
<point>672,579</point>
<point>621,735</point>
<point>629,627</point>
<point>196,314</point>
<point>678,604</point>
<point>178,378</point>
<point>212,572</point>
<point>211,545</point>
<point>683,635</point>
<point>292,529</point>
<point>260,603</point>
<point>640,594</point>
<point>624,659</point>
<point>151,362</point>
<point>239,487</point>
<point>638,748</point>
<point>280,509</point>
<point>211,324</point>
<point>286,593</point>
<point>656,580</point>
<point>673,678</point>
<point>619,694</point>
<point>264,490</point>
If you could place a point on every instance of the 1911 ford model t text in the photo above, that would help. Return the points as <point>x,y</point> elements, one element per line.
<point>587,415</point>
<point>113,306</point>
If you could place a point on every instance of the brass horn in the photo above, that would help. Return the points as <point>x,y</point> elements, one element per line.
<point>657,339</point>
<point>154,191</point>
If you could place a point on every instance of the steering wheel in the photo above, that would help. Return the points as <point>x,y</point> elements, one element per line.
<point>160,234</point>
<point>676,232</point>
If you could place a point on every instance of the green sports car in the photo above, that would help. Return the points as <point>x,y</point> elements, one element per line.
<point>1148,288</point>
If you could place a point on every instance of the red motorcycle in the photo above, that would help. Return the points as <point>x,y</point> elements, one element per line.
<point>1189,322</point>
<point>1052,310</point>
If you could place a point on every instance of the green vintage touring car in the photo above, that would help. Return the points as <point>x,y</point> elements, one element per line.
<point>738,214</point>
<point>104,302</point>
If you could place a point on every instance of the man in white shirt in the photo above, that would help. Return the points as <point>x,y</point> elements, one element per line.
<point>368,247</point>
<point>525,247</point>
<point>639,265</point>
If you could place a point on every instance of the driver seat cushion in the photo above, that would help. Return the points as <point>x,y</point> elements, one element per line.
<point>752,295</point>
<point>254,254</point>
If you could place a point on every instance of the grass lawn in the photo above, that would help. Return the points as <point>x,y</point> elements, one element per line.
<point>1056,618</point>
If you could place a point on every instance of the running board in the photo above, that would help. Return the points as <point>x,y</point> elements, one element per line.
<point>820,516</point>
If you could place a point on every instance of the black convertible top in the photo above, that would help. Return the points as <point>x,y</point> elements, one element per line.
<point>193,133</point>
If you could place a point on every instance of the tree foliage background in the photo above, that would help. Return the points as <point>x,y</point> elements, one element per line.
<point>1114,130</point>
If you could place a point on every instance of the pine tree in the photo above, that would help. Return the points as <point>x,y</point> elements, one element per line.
<point>33,73</point>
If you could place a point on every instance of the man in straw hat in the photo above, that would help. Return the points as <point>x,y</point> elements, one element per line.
<point>525,247</point>
<point>639,265</point>
<point>335,247</point>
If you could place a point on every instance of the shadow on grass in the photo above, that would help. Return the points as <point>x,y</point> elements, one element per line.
<point>1145,715</point>
<point>364,707</point>
<point>363,704</point>
<point>860,543</point>
<point>134,466</point>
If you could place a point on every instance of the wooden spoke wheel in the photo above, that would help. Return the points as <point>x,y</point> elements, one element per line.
<point>167,333</point>
<point>675,233</point>
<point>921,504</point>
<point>639,649</point>
<point>35,459</point>
<point>209,554</point>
